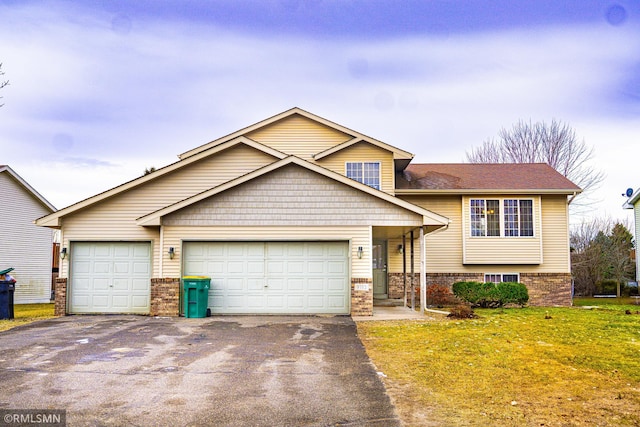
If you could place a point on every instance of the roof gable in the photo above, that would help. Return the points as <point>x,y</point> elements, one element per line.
<point>54,219</point>
<point>29,189</point>
<point>429,218</point>
<point>498,177</point>
<point>351,136</point>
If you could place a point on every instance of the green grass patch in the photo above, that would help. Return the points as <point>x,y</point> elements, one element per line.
<point>27,313</point>
<point>531,366</point>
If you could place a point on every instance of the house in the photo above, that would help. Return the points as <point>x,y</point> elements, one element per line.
<point>25,247</point>
<point>633,202</point>
<point>299,215</point>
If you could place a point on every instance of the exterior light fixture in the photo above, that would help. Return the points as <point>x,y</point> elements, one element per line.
<point>172,252</point>
<point>359,251</point>
<point>63,253</point>
<point>400,249</point>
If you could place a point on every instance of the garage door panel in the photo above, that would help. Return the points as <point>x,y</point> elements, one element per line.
<point>110,277</point>
<point>296,274</point>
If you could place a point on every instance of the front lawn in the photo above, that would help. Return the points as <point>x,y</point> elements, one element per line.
<point>513,367</point>
<point>27,313</point>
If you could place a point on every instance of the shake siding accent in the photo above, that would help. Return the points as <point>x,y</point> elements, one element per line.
<point>293,196</point>
<point>444,248</point>
<point>363,152</point>
<point>25,246</point>
<point>357,235</point>
<point>299,136</point>
<point>114,218</point>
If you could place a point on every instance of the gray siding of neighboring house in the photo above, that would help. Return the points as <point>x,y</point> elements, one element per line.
<point>23,245</point>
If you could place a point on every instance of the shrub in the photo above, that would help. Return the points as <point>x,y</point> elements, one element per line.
<point>491,295</point>
<point>439,295</point>
<point>513,293</point>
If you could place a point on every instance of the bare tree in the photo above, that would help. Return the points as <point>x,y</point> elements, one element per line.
<point>3,83</point>
<point>553,143</point>
<point>601,251</point>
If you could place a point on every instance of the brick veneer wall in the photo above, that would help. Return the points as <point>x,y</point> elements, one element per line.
<point>545,289</point>
<point>165,296</point>
<point>548,289</point>
<point>361,301</point>
<point>60,298</point>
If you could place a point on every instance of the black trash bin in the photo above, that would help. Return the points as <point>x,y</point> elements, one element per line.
<point>6,299</point>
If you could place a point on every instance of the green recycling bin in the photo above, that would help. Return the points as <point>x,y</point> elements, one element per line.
<point>195,295</point>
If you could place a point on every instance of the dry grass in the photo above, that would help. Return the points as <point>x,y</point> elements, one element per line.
<point>513,367</point>
<point>27,313</point>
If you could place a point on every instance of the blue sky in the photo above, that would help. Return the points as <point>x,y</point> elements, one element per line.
<point>101,90</point>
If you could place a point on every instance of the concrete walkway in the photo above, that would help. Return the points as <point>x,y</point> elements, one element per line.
<point>395,313</point>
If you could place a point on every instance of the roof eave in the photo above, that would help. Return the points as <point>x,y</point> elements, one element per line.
<point>456,191</point>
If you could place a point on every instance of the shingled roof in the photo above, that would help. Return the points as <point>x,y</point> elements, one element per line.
<point>473,176</point>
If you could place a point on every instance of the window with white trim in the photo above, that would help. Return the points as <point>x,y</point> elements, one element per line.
<point>365,172</point>
<point>486,219</point>
<point>501,277</point>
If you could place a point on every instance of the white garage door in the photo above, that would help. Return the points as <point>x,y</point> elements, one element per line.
<point>110,277</point>
<point>273,277</point>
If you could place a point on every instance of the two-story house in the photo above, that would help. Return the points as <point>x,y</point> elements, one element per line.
<point>299,215</point>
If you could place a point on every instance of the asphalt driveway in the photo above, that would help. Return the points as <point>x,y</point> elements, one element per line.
<point>240,371</point>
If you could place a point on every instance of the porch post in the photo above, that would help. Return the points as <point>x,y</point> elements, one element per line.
<point>404,267</point>
<point>423,272</point>
<point>413,289</point>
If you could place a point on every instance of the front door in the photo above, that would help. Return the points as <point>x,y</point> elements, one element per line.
<point>379,255</point>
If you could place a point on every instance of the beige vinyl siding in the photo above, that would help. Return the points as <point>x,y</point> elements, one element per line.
<point>299,136</point>
<point>293,195</point>
<point>363,152</point>
<point>114,218</point>
<point>25,247</point>
<point>444,248</point>
<point>555,234</point>
<point>356,235</point>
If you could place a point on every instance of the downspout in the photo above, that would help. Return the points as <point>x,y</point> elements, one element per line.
<point>575,193</point>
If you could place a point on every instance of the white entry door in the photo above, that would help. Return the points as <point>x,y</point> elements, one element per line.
<point>110,277</point>
<point>272,277</point>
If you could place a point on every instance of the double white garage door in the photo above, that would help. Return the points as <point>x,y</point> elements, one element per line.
<point>273,277</point>
<point>246,277</point>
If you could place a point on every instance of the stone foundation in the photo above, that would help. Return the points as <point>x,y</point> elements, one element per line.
<point>361,301</point>
<point>165,296</point>
<point>60,298</point>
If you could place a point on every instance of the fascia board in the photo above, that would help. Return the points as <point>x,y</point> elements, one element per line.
<point>397,153</point>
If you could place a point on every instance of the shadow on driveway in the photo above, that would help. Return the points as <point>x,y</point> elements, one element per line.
<point>241,370</point>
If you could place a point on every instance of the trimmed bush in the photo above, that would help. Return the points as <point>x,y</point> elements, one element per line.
<point>491,295</point>
<point>439,295</point>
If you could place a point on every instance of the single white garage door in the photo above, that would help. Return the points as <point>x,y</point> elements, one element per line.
<point>272,277</point>
<point>110,277</point>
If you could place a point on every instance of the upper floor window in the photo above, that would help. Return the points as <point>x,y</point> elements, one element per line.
<point>365,172</point>
<point>516,219</point>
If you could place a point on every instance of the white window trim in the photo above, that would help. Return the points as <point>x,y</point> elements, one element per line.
<point>502,276</point>
<point>362,162</point>
<point>502,211</point>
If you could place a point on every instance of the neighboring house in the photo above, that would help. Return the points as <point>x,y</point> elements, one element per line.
<point>299,215</point>
<point>633,202</point>
<point>23,245</point>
